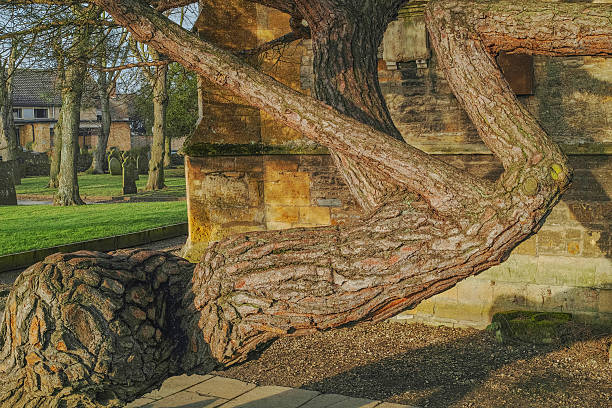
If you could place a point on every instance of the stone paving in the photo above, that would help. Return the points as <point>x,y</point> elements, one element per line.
<point>208,391</point>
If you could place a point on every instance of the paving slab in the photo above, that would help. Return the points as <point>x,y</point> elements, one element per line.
<point>186,399</point>
<point>222,387</point>
<point>272,397</point>
<point>339,401</point>
<point>207,391</point>
<point>140,402</point>
<point>176,384</point>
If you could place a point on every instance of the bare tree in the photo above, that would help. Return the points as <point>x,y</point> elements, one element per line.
<point>8,134</point>
<point>111,53</point>
<point>87,329</point>
<point>157,75</point>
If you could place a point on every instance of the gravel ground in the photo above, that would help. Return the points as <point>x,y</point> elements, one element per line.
<point>439,367</point>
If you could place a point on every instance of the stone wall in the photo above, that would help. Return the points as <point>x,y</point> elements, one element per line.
<point>246,172</point>
<point>120,136</point>
<point>34,164</point>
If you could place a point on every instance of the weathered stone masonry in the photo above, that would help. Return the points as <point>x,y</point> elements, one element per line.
<point>245,172</point>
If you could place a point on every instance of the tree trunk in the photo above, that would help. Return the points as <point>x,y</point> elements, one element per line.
<point>345,47</point>
<point>56,155</point>
<point>160,103</point>
<point>90,328</point>
<point>8,134</point>
<point>72,90</point>
<point>167,152</point>
<point>100,152</point>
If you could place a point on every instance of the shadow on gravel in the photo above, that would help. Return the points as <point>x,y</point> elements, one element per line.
<point>477,371</point>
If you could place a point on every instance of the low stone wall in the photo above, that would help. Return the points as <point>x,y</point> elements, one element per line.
<point>566,267</point>
<point>34,164</point>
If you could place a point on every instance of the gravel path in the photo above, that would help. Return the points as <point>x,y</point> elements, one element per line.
<point>439,367</point>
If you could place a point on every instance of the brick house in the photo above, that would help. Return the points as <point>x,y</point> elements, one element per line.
<point>246,172</point>
<point>36,106</point>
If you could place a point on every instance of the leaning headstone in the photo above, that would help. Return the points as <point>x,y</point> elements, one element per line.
<point>114,166</point>
<point>130,175</point>
<point>7,185</point>
<point>143,163</point>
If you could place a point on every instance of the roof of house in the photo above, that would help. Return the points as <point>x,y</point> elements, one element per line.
<point>36,87</point>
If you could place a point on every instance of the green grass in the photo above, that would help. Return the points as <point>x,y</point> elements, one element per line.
<point>23,228</point>
<point>105,185</point>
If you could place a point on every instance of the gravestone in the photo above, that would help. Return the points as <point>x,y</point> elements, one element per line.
<point>130,175</point>
<point>142,163</point>
<point>7,186</point>
<point>114,166</point>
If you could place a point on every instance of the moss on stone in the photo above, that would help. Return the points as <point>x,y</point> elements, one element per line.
<point>532,327</point>
<point>248,149</point>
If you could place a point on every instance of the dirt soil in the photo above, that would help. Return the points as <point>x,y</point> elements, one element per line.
<point>440,367</point>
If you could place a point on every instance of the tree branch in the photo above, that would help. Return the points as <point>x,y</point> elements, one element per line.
<point>442,185</point>
<point>131,65</point>
<point>285,39</point>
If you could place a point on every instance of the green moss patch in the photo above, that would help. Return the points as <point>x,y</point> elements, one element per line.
<point>531,327</point>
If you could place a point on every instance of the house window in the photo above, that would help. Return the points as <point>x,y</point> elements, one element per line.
<point>41,113</point>
<point>17,113</point>
<point>27,113</point>
<point>51,134</point>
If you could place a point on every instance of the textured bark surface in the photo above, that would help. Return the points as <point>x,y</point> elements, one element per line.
<point>8,134</point>
<point>158,79</point>
<point>72,90</point>
<point>345,43</point>
<point>441,226</point>
<point>56,155</point>
<point>91,329</point>
<point>99,156</point>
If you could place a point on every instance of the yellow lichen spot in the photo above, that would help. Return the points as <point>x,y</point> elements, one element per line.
<point>530,186</point>
<point>32,359</point>
<point>61,346</point>
<point>554,175</point>
<point>555,171</point>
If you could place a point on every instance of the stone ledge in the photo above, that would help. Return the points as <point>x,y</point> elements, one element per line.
<point>27,258</point>
<point>258,149</point>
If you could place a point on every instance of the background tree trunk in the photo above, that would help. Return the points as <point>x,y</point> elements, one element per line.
<point>56,156</point>
<point>167,152</point>
<point>8,133</point>
<point>160,103</point>
<point>72,90</point>
<point>103,92</point>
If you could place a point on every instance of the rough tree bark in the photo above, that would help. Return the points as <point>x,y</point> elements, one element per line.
<point>104,96</point>
<point>167,152</point>
<point>159,84</point>
<point>8,134</point>
<point>56,154</point>
<point>71,320</point>
<point>72,91</point>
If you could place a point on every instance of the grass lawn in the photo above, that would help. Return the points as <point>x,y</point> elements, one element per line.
<point>39,226</point>
<point>105,185</point>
